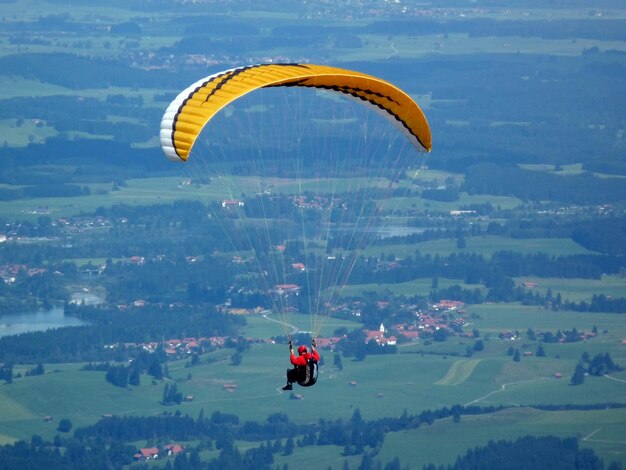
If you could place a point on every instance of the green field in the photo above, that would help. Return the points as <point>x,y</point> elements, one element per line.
<point>578,290</point>
<point>384,386</point>
<point>410,288</point>
<point>484,245</point>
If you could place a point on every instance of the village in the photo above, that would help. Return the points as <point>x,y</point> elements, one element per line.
<point>448,315</point>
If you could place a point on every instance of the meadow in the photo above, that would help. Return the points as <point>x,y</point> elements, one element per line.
<point>485,245</point>
<point>419,377</point>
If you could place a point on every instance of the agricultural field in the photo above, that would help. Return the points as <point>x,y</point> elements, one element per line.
<point>413,380</point>
<point>486,246</point>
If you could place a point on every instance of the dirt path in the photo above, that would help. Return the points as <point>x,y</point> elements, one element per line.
<point>503,387</point>
<point>294,328</point>
<point>613,378</point>
<point>591,434</point>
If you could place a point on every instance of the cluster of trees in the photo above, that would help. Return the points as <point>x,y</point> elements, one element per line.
<point>37,370</point>
<point>475,268</point>
<point>601,364</point>
<point>489,178</point>
<point>59,190</point>
<point>481,27</point>
<point>599,303</point>
<point>171,395</point>
<point>6,373</point>
<point>123,376</point>
<point>31,293</point>
<point>528,453</point>
<point>88,72</point>
<point>65,453</point>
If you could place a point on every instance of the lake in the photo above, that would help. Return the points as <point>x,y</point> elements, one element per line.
<point>39,321</point>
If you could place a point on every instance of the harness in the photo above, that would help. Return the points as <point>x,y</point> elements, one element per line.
<point>308,376</point>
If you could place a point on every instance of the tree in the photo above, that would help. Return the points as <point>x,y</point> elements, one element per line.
<point>6,373</point>
<point>155,369</point>
<point>195,359</point>
<point>540,352</point>
<point>337,361</point>
<point>479,345</point>
<point>65,425</point>
<point>134,378</point>
<point>440,334</point>
<point>579,375</point>
<point>516,356</point>
<point>289,445</point>
<point>461,244</point>
<point>236,359</point>
<point>171,395</point>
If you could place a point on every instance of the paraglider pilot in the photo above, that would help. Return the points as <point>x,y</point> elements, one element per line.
<point>304,372</point>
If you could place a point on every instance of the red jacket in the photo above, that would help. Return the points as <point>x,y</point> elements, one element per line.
<point>302,359</point>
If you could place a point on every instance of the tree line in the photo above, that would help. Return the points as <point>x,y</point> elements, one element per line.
<point>105,441</point>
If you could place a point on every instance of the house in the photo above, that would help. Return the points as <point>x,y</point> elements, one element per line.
<point>147,453</point>
<point>173,449</point>
<point>411,335</point>
<point>283,289</point>
<point>448,305</point>
<point>507,335</point>
<point>230,203</point>
<point>457,213</point>
<point>298,266</point>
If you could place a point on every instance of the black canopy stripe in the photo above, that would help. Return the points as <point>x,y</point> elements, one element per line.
<point>355,92</point>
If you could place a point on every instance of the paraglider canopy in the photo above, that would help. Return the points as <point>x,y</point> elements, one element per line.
<point>196,105</point>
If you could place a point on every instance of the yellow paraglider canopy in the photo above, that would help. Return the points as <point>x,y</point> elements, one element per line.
<point>196,105</point>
